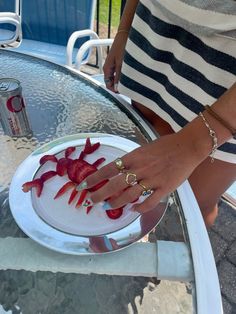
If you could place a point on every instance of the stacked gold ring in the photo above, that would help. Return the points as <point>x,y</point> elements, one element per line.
<point>130,178</point>
<point>146,191</point>
<point>119,164</point>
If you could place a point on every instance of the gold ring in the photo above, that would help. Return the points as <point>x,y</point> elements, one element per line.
<point>130,178</point>
<point>119,164</point>
<point>146,191</point>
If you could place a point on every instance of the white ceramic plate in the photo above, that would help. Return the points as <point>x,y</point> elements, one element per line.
<point>65,228</point>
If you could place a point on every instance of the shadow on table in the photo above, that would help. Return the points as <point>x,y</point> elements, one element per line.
<point>44,292</point>
<point>25,292</point>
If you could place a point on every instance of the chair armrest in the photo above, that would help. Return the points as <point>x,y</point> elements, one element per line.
<point>10,15</point>
<point>98,43</point>
<point>13,19</point>
<point>71,42</point>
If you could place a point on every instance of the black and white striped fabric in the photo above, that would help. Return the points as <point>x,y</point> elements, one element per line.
<point>180,57</point>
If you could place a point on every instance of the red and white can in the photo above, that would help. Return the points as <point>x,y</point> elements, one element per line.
<point>13,115</point>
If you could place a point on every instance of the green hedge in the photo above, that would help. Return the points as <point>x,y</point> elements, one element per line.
<point>104,7</point>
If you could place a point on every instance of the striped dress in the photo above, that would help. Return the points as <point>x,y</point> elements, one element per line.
<point>180,56</point>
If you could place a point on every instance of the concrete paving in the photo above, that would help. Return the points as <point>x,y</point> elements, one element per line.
<point>223,240</point>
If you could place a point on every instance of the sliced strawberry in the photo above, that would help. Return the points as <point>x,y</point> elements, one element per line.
<point>83,172</point>
<point>114,213</point>
<point>48,175</point>
<point>66,187</point>
<point>98,162</point>
<point>73,195</point>
<point>90,148</point>
<point>88,209</point>
<point>36,183</point>
<point>98,186</point>
<point>69,151</point>
<point>46,158</point>
<point>88,144</point>
<point>81,156</point>
<point>62,166</point>
<point>74,166</point>
<point>81,198</point>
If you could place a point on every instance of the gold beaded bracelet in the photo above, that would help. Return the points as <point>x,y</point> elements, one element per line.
<point>212,134</point>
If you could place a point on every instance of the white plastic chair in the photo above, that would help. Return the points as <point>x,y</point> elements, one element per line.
<point>8,38</point>
<point>45,34</point>
<point>87,46</point>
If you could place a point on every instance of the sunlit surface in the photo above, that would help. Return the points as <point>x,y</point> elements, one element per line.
<point>60,104</point>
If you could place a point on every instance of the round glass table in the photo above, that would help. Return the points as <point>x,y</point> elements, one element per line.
<point>33,279</point>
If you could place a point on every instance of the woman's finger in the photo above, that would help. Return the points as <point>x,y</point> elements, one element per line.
<point>129,195</point>
<point>117,77</point>
<point>115,187</point>
<point>109,74</point>
<point>105,173</point>
<point>150,202</point>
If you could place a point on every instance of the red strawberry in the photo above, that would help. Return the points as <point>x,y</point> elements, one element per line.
<point>98,162</point>
<point>82,172</point>
<point>69,151</point>
<point>88,209</point>
<point>74,166</point>
<point>46,158</point>
<point>81,198</point>
<point>114,213</point>
<point>67,186</point>
<point>36,183</point>
<point>90,148</point>
<point>62,166</point>
<point>73,195</point>
<point>81,156</point>
<point>48,175</point>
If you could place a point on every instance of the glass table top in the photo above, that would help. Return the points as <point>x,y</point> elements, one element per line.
<point>61,103</point>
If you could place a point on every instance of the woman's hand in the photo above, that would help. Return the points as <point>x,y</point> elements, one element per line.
<point>160,166</point>
<point>112,65</point>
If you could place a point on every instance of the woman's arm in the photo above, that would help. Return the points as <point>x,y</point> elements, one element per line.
<point>165,163</point>
<point>225,108</point>
<point>112,65</point>
<point>128,15</point>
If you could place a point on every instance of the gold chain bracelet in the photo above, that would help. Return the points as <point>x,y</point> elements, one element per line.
<point>221,120</point>
<point>212,134</point>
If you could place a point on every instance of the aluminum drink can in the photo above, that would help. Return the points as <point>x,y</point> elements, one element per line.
<point>13,115</point>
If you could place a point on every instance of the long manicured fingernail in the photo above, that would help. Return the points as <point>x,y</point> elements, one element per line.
<point>87,202</point>
<point>106,206</point>
<point>83,185</point>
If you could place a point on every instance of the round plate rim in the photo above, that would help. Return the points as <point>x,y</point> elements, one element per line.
<point>38,230</point>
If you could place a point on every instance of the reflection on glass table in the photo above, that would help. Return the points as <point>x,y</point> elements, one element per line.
<point>61,103</point>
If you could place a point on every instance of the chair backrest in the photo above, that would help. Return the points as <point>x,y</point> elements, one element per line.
<point>53,21</point>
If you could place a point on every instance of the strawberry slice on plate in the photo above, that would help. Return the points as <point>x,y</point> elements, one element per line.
<point>46,158</point>
<point>36,183</point>
<point>90,148</point>
<point>82,172</point>
<point>114,213</point>
<point>62,166</point>
<point>48,175</point>
<point>69,151</point>
<point>66,187</point>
